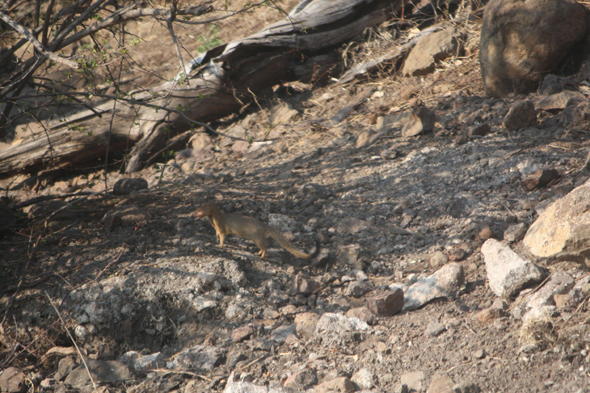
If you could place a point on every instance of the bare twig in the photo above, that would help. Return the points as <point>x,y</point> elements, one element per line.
<point>73,341</point>
<point>42,198</point>
<point>169,19</point>
<point>122,16</point>
<point>76,201</point>
<point>52,56</point>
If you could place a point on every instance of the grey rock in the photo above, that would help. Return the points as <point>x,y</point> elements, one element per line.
<point>559,101</point>
<point>139,362</point>
<point>364,378</point>
<point>200,357</point>
<point>341,384</point>
<point>508,273</point>
<point>515,232</point>
<point>280,334</point>
<point>12,380</point>
<point>434,329</point>
<point>304,285</point>
<point>338,323</point>
<point>65,367</point>
<point>438,259</point>
<point>128,185</point>
<point>101,371</point>
<point>445,283</point>
<point>305,324</point>
<point>358,289</point>
<point>430,49</point>
<point>535,305</point>
<point>302,380</point>
<point>553,84</point>
<point>362,313</point>
<point>421,121</point>
<point>521,115</point>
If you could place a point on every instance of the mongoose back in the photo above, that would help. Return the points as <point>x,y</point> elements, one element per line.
<point>249,228</point>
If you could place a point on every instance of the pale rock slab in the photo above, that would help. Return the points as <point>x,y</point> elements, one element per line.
<point>445,282</point>
<point>508,272</point>
<point>564,226</point>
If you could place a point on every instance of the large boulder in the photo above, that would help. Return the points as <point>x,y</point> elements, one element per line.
<point>521,41</point>
<point>563,229</point>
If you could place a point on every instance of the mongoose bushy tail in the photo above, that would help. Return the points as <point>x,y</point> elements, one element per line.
<point>249,228</point>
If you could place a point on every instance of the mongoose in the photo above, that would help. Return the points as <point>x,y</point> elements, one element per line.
<point>249,228</point>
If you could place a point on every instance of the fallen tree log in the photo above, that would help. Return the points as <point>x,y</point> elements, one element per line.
<point>300,47</point>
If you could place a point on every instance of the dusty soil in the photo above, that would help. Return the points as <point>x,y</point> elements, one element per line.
<point>145,287</point>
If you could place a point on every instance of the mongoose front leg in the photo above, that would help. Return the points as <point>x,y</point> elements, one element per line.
<point>221,239</point>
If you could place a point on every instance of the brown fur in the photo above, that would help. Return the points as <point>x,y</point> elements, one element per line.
<point>249,228</point>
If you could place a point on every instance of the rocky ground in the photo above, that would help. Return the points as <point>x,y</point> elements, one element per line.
<point>404,296</point>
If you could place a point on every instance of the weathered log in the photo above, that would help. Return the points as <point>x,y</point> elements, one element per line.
<point>300,47</point>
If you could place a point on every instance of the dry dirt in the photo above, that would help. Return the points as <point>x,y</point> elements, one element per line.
<point>441,189</point>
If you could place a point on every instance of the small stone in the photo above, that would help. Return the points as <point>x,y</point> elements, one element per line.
<point>128,185</point>
<point>280,334</point>
<point>438,259</point>
<point>485,233</point>
<point>489,315</point>
<point>414,381</point>
<point>521,115</point>
<point>304,285</point>
<point>64,367</point>
<point>457,254</point>
<point>342,384</point>
<point>559,101</point>
<point>12,380</point>
<point>479,354</point>
<point>358,289</point>
<point>540,179</point>
<point>434,329</point>
<point>362,313</point>
<point>305,324</point>
<point>480,130</point>
<point>444,283</point>
<point>441,383</point>
<point>422,121</point>
<point>242,333</point>
<point>388,303</point>
<point>515,232</point>
<point>302,380</point>
<point>364,378</point>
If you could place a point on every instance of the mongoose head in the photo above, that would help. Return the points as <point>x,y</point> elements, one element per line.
<point>206,210</point>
